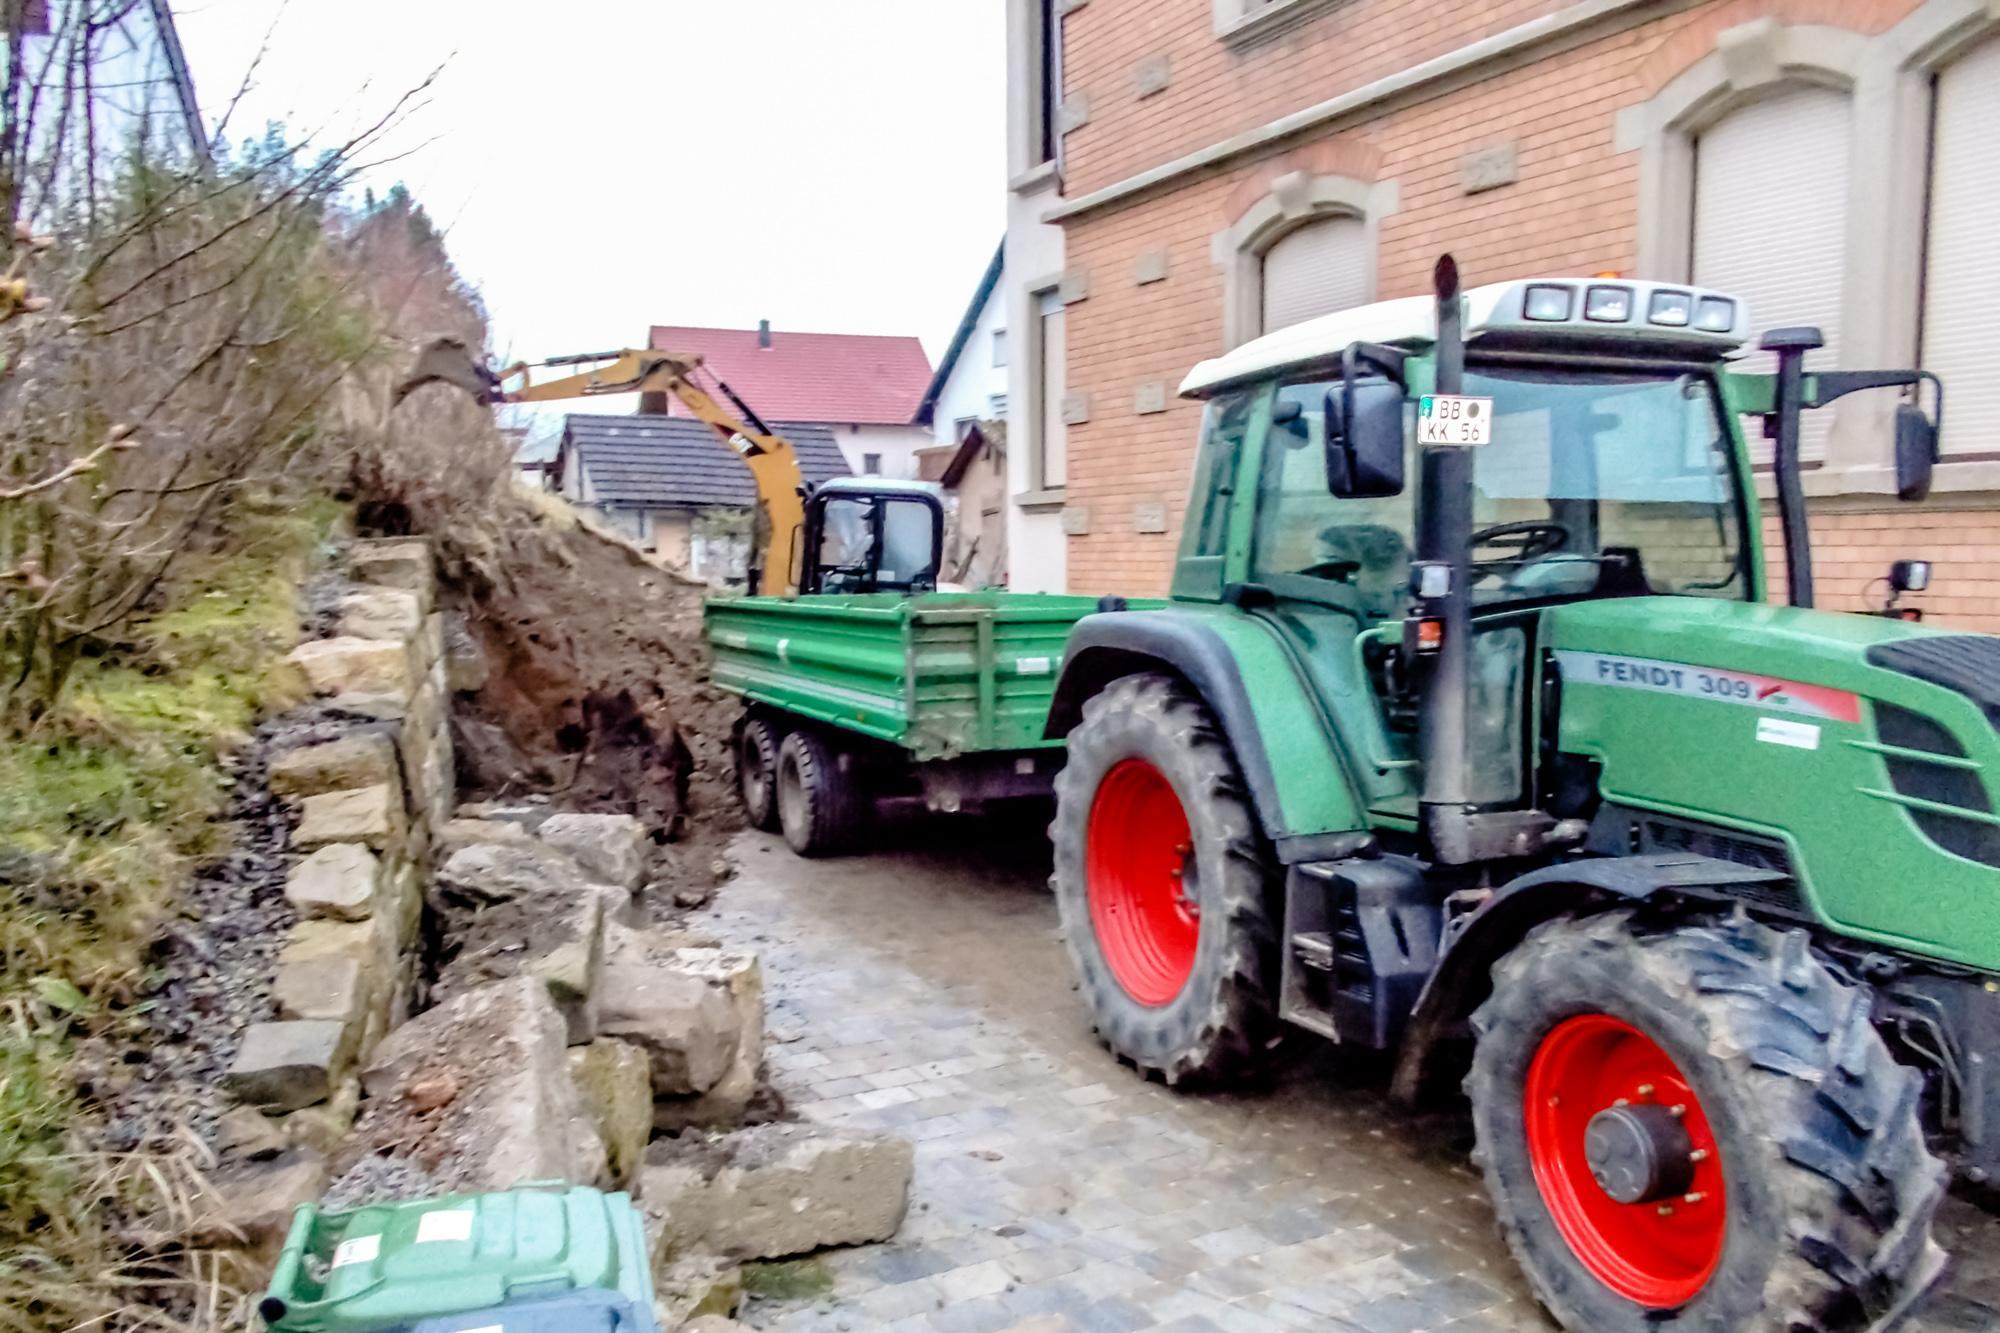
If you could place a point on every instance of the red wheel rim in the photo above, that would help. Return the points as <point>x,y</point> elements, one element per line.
<point>1659,1253</point>
<point>1136,871</point>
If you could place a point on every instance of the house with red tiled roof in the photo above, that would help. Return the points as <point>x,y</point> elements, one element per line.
<point>864,388</point>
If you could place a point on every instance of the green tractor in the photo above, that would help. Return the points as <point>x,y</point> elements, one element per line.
<point>1468,735</point>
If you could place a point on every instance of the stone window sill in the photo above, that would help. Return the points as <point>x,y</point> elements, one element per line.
<point>1035,502</point>
<point>1265,20</point>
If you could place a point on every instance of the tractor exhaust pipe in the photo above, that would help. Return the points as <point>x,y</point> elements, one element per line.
<point>1443,575</point>
<point>1791,345</point>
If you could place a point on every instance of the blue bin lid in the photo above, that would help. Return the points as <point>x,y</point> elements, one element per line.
<point>591,1310</point>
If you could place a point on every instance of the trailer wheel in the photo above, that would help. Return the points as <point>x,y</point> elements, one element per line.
<point>1700,1124</point>
<point>821,805</point>
<point>1162,878</point>
<point>757,744</point>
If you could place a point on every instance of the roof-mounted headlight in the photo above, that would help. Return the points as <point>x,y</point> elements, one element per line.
<point>1548,302</point>
<point>1671,308</point>
<point>1715,314</point>
<point>1609,305</point>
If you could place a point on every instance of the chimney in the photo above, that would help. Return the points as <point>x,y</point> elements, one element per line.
<point>764,335</point>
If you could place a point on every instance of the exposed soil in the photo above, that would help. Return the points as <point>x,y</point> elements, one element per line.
<point>598,694</point>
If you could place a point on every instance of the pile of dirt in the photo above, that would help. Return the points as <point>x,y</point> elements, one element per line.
<point>596,692</point>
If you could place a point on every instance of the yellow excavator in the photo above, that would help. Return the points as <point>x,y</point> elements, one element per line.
<point>768,455</point>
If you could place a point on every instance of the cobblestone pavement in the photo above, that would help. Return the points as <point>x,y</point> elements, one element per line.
<point>925,993</point>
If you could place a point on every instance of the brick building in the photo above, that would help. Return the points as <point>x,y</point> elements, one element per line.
<point>1192,173</point>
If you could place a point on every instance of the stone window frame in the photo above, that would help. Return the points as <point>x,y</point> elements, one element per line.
<point>1890,81</point>
<point>1241,22</point>
<point>1039,495</point>
<point>1294,200</point>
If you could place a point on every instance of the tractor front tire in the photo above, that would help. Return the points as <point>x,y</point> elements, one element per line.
<point>1165,885</point>
<point>822,807</point>
<point>757,744</point>
<point>1700,1124</point>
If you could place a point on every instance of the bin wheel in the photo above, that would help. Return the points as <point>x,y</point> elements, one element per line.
<point>1164,882</point>
<point>822,808</point>
<point>757,772</point>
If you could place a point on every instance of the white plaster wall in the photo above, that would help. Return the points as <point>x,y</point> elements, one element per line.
<point>898,446</point>
<point>1037,551</point>
<point>975,379</point>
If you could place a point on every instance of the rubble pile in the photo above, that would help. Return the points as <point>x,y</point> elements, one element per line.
<point>473,996</point>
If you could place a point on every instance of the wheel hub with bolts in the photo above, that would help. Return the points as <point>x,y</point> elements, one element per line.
<point>1625,1160</point>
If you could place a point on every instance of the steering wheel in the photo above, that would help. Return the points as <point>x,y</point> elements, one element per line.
<point>1529,539</point>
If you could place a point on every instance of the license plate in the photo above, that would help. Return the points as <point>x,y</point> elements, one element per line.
<point>1444,418</point>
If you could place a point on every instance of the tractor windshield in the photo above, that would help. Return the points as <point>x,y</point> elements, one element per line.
<point>1603,484</point>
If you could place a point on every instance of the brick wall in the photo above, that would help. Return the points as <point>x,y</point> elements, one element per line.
<point>1573,209</point>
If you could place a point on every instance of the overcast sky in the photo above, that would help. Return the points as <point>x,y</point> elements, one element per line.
<point>829,165</point>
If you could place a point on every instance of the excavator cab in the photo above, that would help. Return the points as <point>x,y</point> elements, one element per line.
<point>868,534</point>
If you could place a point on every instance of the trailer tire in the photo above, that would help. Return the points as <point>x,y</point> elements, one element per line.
<point>757,742</point>
<point>822,807</point>
<point>1180,982</point>
<point>1807,1195</point>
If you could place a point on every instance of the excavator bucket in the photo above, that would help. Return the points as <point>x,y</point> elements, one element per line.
<point>449,361</point>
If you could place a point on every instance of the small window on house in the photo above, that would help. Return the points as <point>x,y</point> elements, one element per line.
<point>871,464</point>
<point>1962,285</point>
<point>1045,69</point>
<point>1315,270</point>
<point>996,406</point>
<point>999,347</point>
<point>1770,223</point>
<point>962,428</point>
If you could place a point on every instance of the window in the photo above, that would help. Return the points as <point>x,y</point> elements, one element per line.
<point>999,347</point>
<point>1225,421</point>
<point>1315,270</point>
<point>1770,222</point>
<point>1044,135</point>
<point>996,406</point>
<point>1962,279</point>
<point>1053,444</point>
<point>871,465</point>
<point>1598,484</point>
<point>1305,533</point>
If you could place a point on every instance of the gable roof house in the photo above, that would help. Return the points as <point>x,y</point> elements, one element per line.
<point>965,409</point>
<point>651,478</point>
<point>862,387</point>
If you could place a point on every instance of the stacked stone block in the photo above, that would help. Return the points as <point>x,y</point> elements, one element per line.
<point>367,802</point>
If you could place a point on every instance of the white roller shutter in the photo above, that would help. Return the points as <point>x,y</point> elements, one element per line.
<point>1962,282</point>
<point>1318,269</point>
<point>1770,224</point>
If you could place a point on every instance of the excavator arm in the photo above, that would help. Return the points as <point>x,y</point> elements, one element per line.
<point>772,462</point>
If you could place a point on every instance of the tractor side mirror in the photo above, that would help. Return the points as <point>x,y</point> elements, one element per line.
<point>1364,439</point>
<point>1916,451</point>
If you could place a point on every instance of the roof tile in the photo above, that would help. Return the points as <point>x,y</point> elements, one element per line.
<point>830,377</point>
<point>673,462</point>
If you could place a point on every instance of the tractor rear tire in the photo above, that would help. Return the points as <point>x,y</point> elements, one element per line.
<point>757,744</point>
<point>822,807</point>
<point>1805,1192</point>
<point>1165,885</point>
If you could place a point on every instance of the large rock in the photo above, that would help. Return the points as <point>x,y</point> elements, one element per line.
<point>496,872</point>
<point>722,1104</point>
<point>351,668</point>
<point>611,848</point>
<point>396,562</point>
<point>321,1128</point>
<point>251,1206</point>
<point>328,989</point>
<point>453,836</point>
<point>371,945</point>
<point>361,759</point>
<point>389,614</point>
<point>694,1287</point>
<point>286,1066</point>
<point>528,815</point>
<point>248,1134</point>
<point>774,1190</point>
<point>372,816</point>
<point>566,953</point>
<point>478,1093</point>
<point>342,881</point>
<point>616,1084</point>
<point>688,1016</point>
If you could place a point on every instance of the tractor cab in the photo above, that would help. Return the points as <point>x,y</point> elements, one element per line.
<point>871,534</point>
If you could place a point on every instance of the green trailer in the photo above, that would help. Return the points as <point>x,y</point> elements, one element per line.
<point>892,691</point>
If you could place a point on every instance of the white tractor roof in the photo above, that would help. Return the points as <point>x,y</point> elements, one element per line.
<point>1627,310</point>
